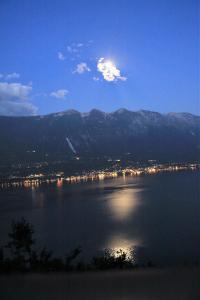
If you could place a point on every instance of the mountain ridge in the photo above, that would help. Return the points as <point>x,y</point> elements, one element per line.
<point>61,136</point>
<point>119,110</point>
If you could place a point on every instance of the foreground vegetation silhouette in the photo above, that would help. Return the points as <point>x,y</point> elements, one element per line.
<point>19,255</point>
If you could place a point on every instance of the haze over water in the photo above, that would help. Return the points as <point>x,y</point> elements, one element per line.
<point>157,215</point>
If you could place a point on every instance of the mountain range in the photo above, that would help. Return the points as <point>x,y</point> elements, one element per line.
<point>141,135</point>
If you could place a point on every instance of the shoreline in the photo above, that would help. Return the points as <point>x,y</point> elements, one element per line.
<point>153,284</point>
<point>59,178</point>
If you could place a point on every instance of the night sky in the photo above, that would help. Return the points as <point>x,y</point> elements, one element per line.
<point>75,54</point>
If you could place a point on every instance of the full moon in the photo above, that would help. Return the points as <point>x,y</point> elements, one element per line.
<point>109,70</point>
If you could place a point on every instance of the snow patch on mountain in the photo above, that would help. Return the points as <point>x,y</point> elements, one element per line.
<point>85,114</point>
<point>65,113</point>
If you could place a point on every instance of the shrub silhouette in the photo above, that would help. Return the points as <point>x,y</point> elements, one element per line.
<point>113,259</point>
<point>22,256</point>
<point>71,257</point>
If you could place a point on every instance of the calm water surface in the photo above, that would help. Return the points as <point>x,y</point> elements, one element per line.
<point>158,215</point>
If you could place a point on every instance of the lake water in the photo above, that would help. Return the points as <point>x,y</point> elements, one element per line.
<point>158,215</point>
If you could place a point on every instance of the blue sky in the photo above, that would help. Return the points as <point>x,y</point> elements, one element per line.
<point>137,54</point>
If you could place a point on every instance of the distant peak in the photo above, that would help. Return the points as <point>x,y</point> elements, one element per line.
<point>121,111</point>
<point>71,111</point>
<point>66,112</point>
<point>96,111</point>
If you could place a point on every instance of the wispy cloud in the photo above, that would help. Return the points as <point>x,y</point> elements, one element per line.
<point>72,49</point>
<point>82,68</point>
<point>61,56</point>
<point>80,45</point>
<point>109,70</point>
<point>10,76</point>
<point>60,94</point>
<point>95,78</point>
<point>14,99</point>
<point>13,75</point>
<point>75,47</point>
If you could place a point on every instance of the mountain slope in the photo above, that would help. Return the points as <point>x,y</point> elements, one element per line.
<point>142,134</point>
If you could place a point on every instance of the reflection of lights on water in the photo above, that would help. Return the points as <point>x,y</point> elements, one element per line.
<point>59,183</point>
<point>122,203</point>
<point>38,197</point>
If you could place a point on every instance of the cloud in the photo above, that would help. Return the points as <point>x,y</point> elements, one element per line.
<point>10,76</point>
<point>17,109</point>
<point>95,78</point>
<point>14,100</point>
<point>74,47</point>
<point>14,90</point>
<point>71,49</point>
<point>13,75</point>
<point>82,68</point>
<point>75,50</point>
<point>109,70</point>
<point>61,56</point>
<point>60,94</point>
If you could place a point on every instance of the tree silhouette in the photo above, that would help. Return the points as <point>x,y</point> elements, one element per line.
<point>21,242</point>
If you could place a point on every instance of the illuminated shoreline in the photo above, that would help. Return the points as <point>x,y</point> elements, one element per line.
<point>35,180</point>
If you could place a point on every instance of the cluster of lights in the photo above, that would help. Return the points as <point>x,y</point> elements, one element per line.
<point>34,180</point>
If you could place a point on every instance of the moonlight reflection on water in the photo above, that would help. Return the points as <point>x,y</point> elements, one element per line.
<point>156,215</point>
<point>123,202</point>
